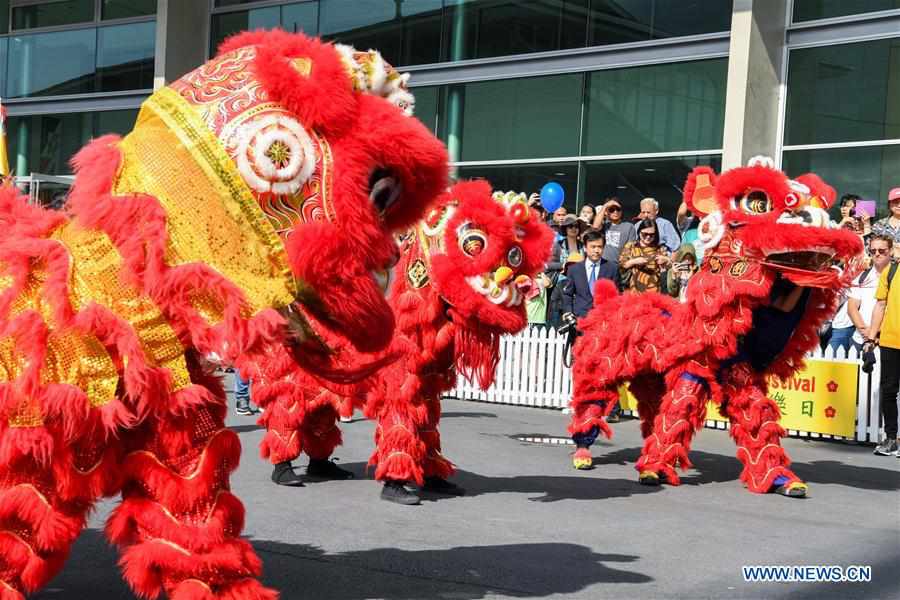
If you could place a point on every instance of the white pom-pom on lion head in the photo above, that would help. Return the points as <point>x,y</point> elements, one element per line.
<point>371,74</point>
<point>761,160</point>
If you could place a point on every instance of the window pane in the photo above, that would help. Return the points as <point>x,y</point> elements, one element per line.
<point>807,10</point>
<point>406,33</point>
<point>53,13</point>
<point>844,93</point>
<point>50,64</point>
<point>657,108</point>
<point>869,172</point>
<point>528,178</point>
<point>427,105</point>
<point>4,53</point>
<point>125,57</point>
<point>234,2</point>
<point>114,121</point>
<point>535,117</point>
<point>489,28</point>
<point>622,21</point>
<point>632,180</point>
<point>673,18</point>
<point>301,18</point>
<point>45,143</point>
<point>230,23</point>
<point>4,16</point>
<point>123,9</point>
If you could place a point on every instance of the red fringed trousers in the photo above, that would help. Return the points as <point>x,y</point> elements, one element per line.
<point>669,424</point>
<point>178,525</point>
<point>754,427</point>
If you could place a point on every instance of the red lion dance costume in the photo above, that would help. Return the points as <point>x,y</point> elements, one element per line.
<point>228,208</point>
<point>752,312</point>
<point>461,283</point>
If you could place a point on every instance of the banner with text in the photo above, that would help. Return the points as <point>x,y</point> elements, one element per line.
<point>819,399</point>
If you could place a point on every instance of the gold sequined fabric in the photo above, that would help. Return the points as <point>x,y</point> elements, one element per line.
<point>95,277</point>
<point>74,358</point>
<point>212,216</point>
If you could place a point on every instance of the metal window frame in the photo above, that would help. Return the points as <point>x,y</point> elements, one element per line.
<point>214,10</point>
<point>97,21</point>
<point>586,158</point>
<point>96,102</point>
<point>853,18</point>
<point>579,60</point>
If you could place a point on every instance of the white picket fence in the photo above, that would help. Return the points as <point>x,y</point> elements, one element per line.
<point>531,373</point>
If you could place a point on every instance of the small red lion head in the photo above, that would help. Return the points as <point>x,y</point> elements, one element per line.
<point>761,214</point>
<point>489,248</point>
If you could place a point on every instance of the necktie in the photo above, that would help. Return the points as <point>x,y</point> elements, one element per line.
<point>593,278</point>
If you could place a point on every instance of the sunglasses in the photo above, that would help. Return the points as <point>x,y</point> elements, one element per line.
<point>614,209</point>
<point>877,251</point>
<point>649,236</point>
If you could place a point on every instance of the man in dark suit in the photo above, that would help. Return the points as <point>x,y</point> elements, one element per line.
<point>578,290</point>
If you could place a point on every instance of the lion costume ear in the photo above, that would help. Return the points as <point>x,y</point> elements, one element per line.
<point>821,194</point>
<point>700,191</point>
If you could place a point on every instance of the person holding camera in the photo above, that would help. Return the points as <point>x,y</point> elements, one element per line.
<point>885,332</point>
<point>684,265</point>
<point>857,223</point>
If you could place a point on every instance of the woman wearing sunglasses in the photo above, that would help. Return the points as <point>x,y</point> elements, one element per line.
<point>643,261</point>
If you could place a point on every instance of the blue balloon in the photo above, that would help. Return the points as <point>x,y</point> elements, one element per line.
<point>552,196</point>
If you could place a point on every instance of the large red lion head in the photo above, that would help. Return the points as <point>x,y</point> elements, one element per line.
<point>323,137</point>
<point>762,215</point>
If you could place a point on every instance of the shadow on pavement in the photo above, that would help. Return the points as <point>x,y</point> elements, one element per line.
<point>245,428</point>
<point>461,573</point>
<point>471,415</point>
<point>305,571</point>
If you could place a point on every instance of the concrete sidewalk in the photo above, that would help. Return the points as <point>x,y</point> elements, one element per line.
<point>531,527</point>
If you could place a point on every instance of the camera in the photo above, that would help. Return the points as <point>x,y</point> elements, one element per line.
<point>569,324</point>
<point>868,358</point>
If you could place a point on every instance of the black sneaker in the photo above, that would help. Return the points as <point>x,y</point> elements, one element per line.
<point>887,448</point>
<point>242,408</point>
<point>326,469</point>
<point>395,491</point>
<point>442,486</point>
<point>283,474</point>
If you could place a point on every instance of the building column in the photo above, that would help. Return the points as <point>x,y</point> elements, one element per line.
<point>182,37</point>
<point>755,84</point>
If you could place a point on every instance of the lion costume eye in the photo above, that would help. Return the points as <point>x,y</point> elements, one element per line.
<point>472,241</point>
<point>514,256</point>
<point>756,203</point>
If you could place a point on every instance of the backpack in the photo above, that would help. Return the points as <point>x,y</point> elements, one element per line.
<point>892,270</point>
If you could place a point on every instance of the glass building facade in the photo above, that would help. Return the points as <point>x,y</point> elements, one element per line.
<point>76,50</point>
<point>607,97</point>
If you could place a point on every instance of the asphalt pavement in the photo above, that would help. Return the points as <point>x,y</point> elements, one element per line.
<point>532,527</point>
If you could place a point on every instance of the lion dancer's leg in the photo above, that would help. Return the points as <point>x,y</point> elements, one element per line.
<point>437,468</point>
<point>47,486</point>
<point>179,524</point>
<point>756,431</point>
<point>681,413</point>
<point>320,435</point>
<point>589,411</point>
<point>283,406</point>
<point>400,452</point>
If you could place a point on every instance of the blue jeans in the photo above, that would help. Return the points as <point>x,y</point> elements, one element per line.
<point>843,337</point>
<point>241,388</point>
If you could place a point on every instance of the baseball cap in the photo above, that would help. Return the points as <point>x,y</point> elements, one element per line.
<point>894,194</point>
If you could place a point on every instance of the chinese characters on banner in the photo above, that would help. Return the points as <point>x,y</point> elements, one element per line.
<point>819,399</point>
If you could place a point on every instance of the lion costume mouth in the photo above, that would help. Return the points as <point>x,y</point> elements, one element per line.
<point>510,294</point>
<point>816,260</point>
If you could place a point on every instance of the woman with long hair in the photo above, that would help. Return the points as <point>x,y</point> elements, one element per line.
<point>642,261</point>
